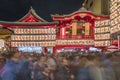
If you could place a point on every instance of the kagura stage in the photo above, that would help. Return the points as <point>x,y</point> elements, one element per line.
<point>72,30</point>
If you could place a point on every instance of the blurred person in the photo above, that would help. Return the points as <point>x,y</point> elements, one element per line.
<point>52,65</point>
<point>26,69</point>
<point>62,72</point>
<point>109,68</point>
<point>36,72</point>
<point>2,61</point>
<point>74,67</point>
<point>43,68</point>
<point>106,71</point>
<point>11,67</point>
<point>83,72</point>
<point>94,68</point>
<point>109,73</point>
<point>42,62</point>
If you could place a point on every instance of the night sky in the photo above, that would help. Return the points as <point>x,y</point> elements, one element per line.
<point>12,10</point>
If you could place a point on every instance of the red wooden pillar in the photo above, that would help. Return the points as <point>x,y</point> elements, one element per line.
<point>62,32</point>
<point>93,26</point>
<point>54,49</point>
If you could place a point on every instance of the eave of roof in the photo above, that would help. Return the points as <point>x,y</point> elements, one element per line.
<point>81,10</point>
<point>27,23</point>
<point>34,13</point>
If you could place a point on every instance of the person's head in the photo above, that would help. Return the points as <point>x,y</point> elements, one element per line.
<point>83,61</point>
<point>65,62</point>
<point>15,56</point>
<point>76,58</point>
<point>9,52</point>
<point>42,59</point>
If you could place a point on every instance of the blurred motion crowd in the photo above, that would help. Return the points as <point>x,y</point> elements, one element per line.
<point>60,66</point>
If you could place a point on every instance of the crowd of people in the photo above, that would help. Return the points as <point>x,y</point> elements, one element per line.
<point>60,66</point>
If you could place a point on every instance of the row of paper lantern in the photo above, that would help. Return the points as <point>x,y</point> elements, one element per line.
<point>114,14</point>
<point>18,44</point>
<point>114,1</point>
<point>102,36</point>
<point>102,23</point>
<point>75,42</point>
<point>114,7</point>
<point>102,43</point>
<point>33,37</point>
<point>102,29</point>
<point>115,21</point>
<point>115,29</point>
<point>34,31</point>
<point>53,43</point>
